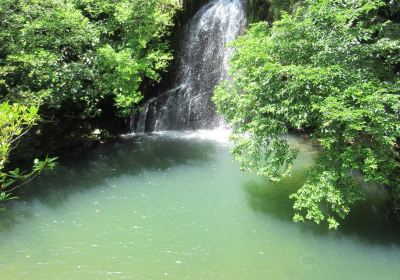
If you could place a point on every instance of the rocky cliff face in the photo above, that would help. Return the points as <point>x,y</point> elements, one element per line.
<point>190,7</point>
<point>258,10</point>
<point>269,10</point>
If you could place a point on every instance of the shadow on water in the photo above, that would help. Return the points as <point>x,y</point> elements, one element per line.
<point>137,155</point>
<point>127,157</point>
<point>367,221</point>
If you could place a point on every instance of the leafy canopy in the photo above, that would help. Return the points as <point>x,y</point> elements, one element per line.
<point>71,54</point>
<point>332,69</point>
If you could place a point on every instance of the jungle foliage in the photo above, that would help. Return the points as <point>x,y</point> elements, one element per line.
<point>332,70</point>
<point>62,60</point>
<point>71,54</point>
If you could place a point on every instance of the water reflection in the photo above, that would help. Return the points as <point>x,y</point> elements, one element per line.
<point>131,156</point>
<point>273,198</point>
<point>157,204</point>
<point>368,221</point>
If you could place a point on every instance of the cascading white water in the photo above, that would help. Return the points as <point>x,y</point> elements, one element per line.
<point>203,64</point>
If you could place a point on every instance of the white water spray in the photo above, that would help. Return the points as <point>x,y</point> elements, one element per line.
<point>203,64</point>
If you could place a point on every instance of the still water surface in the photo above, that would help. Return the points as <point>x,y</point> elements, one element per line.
<point>174,206</point>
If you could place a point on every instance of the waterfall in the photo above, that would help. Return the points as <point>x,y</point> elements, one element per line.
<point>203,62</point>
